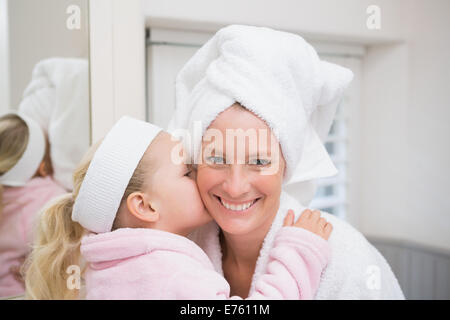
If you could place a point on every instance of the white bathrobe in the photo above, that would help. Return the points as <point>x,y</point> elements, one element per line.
<point>356,269</point>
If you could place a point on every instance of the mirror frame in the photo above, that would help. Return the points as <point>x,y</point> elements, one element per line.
<point>117,62</point>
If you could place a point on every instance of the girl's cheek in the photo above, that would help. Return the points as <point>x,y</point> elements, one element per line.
<point>194,198</point>
<point>201,179</point>
<point>194,191</point>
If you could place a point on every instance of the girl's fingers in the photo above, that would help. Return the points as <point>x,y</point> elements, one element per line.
<point>289,219</point>
<point>322,222</point>
<point>315,216</point>
<point>327,230</point>
<point>305,214</point>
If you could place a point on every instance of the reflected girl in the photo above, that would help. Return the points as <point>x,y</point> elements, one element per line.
<point>26,184</point>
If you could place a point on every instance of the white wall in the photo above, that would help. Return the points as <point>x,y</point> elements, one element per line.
<point>408,168</point>
<point>37,30</point>
<point>345,19</point>
<point>404,96</point>
<point>4,57</point>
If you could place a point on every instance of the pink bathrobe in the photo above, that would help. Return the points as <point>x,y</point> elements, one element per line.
<point>21,206</point>
<point>152,264</point>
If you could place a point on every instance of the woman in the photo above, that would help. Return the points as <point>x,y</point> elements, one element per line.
<point>270,90</point>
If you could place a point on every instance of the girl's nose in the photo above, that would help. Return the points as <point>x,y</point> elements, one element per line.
<point>236,183</point>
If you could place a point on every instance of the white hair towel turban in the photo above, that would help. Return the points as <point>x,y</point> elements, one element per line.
<point>276,75</point>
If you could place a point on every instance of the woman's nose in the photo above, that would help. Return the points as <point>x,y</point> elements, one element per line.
<point>236,183</point>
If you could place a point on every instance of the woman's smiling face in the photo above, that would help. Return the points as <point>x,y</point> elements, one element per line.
<point>241,188</point>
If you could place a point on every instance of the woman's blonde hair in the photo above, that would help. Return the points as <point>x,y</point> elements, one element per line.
<point>58,237</point>
<point>13,142</point>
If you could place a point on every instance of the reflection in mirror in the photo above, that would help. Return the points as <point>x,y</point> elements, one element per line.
<point>44,117</point>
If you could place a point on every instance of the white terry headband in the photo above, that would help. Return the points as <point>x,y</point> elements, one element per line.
<point>109,173</point>
<point>29,163</point>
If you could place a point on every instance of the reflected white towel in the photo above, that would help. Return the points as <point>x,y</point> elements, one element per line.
<point>58,99</point>
<point>356,269</point>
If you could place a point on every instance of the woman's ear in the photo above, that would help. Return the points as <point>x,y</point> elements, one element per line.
<point>140,207</point>
<point>42,170</point>
<point>45,168</point>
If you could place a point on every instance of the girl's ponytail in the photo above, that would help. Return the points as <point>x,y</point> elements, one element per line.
<point>57,244</point>
<point>56,248</point>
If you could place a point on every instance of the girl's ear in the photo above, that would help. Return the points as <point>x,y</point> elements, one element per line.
<point>140,207</point>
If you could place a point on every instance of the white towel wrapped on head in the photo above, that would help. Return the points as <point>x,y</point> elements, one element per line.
<point>276,75</point>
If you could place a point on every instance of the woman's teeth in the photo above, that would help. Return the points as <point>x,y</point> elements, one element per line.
<point>240,207</point>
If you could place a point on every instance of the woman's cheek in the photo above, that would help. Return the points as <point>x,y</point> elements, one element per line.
<point>269,185</point>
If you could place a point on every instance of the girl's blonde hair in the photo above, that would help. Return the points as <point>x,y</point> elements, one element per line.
<point>13,142</point>
<point>58,237</point>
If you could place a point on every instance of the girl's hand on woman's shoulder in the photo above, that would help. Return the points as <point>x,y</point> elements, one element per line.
<point>311,221</point>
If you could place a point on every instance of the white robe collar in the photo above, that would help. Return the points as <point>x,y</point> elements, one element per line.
<point>348,272</point>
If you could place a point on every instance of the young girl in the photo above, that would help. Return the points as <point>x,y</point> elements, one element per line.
<point>128,217</point>
<point>25,186</point>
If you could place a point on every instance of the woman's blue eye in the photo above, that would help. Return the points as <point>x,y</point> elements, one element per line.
<point>215,160</point>
<point>259,162</point>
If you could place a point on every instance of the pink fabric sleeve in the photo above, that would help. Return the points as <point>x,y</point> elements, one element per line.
<point>295,265</point>
<point>293,272</point>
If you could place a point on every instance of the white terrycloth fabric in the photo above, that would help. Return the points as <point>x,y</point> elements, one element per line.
<point>110,171</point>
<point>32,157</point>
<point>356,269</point>
<point>57,97</point>
<point>276,75</point>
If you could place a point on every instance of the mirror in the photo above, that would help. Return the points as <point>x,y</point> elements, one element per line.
<point>44,77</point>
